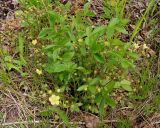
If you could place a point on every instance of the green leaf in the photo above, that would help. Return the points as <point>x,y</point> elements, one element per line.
<point>45,32</point>
<point>98,98</point>
<point>53,56</point>
<point>94,81</point>
<point>83,70</point>
<point>125,84</point>
<point>97,47</point>
<point>87,11</point>
<point>82,88</point>
<point>61,76</point>
<point>124,21</point>
<point>110,101</point>
<point>98,58</point>
<point>59,67</point>
<point>109,87</point>
<point>115,55</point>
<point>110,32</point>
<point>12,66</point>
<point>88,40</point>
<point>8,58</point>
<point>121,30</point>
<point>99,30</point>
<point>88,31</point>
<point>133,55</point>
<point>111,27</point>
<point>126,64</point>
<point>75,107</point>
<point>113,22</point>
<point>68,56</point>
<point>21,50</point>
<point>52,16</point>
<point>101,107</point>
<point>117,42</point>
<point>92,89</point>
<point>83,50</point>
<point>92,84</point>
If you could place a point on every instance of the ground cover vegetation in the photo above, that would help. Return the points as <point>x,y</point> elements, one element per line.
<point>92,64</point>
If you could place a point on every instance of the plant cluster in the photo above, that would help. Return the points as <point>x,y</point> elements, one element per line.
<point>79,59</point>
<point>86,61</point>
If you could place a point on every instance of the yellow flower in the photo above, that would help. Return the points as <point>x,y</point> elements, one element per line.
<point>44,95</point>
<point>80,40</point>
<point>106,43</point>
<point>34,42</point>
<point>136,46</point>
<point>58,90</point>
<point>18,13</point>
<point>99,89</point>
<point>145,46</point>
<point>85,89</point>
<point>39,72</point>
<point>65,16</point>
<point>54,100</point>
<point>49,91</point>
<point>36,50</point>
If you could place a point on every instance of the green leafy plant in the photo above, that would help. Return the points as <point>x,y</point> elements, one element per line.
<point>87,61</point>
<point>51,110</point>
<point>10,63</point>
<point>77,59</point>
